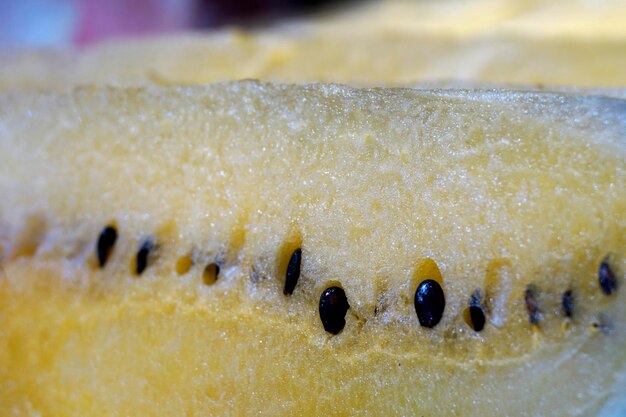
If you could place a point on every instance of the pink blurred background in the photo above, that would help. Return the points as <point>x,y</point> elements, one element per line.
<point>80,22</point>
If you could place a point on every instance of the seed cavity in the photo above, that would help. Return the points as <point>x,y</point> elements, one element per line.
<point>143,256</point>
<point>105,244</point>
<point>532,304</point>
<point>255,275</point>
<point>29,236</point>
<point>293,272</point>
<point>381,305</point>
<point>498,287</point>
<point>333,308</point>
<point>475,314</point>
<point>606,277</point>
<point>183,264</point>
<point>568,303</point>
<point>427,269</point>
<point>210,273</point>
<point>429,303</point>
<point>602,324</point>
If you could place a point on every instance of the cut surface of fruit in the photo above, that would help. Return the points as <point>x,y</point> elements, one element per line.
<point>506,201</point>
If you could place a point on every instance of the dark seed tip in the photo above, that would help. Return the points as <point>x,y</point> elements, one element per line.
<point>532,304</point>
<point>105,244</point>
<point>333,308</point>
<point>606,276</point>
<point>568,303</point>
<point>429,302</point>
<point>143,256</point>
<point>293,272</point>
<point>476,297</point>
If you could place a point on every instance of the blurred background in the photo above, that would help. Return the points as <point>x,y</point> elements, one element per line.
<point>81,22</point>
<point>56,44</point>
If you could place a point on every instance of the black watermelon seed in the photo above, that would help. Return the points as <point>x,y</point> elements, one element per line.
<point>143,256</point>
<point>105,244</point>
<point>606,276</point>
<point>333,308</point>
<point>429,303</point>
<point>532,305</point>
<point>476,312</point>
<point>568,303</point>
<point>293,272</point>
<point>478,318</point>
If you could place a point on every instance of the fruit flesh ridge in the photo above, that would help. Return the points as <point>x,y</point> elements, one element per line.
<point>370,183</point>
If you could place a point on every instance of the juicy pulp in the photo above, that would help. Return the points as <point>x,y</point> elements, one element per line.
<point>380,188</point>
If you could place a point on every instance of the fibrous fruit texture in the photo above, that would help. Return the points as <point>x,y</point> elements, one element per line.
<point>247,247</point>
